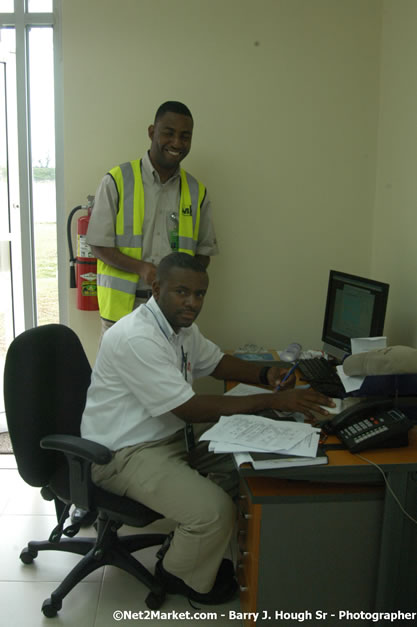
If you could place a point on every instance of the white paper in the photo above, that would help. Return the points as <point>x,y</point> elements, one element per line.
<point>243,458</point>
<point>349,383</point>
<point>244,389</point>
<point>257,431</point>
<point>305,448</point>
<point>365,344</point>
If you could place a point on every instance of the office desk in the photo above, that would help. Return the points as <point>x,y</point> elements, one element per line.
<point>330,538</point>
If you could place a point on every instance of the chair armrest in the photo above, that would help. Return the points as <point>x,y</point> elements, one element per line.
<point>80,454</point>
<point>74,445</point>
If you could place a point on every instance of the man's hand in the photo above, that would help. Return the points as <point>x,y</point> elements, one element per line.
<point>147,271</point>
<point>276,375</point>
<point>304,401</point>
<point>115,258</point>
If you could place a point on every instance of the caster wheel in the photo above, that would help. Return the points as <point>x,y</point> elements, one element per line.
<point>50,608</point>
<point>154,601</point>
<point>28,555</point>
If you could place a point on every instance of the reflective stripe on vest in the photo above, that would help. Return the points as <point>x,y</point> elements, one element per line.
<point>116,289</point>
<point>192,195</point>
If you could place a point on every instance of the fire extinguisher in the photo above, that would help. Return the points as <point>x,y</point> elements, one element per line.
<point>83,267</point>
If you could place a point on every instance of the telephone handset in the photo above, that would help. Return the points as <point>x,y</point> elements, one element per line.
<point>371,424</point>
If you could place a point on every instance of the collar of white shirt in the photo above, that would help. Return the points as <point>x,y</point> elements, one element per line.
<point>163,324</point>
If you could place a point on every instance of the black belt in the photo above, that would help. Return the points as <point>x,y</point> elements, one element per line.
<point>143,293</point>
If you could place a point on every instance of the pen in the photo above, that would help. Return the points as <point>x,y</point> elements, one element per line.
<point>289,373</point>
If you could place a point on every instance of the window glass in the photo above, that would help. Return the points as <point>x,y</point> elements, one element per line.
<point>39,6</point>
<point>9,225</point>
<point>6,6</point>
<point>42,120</point>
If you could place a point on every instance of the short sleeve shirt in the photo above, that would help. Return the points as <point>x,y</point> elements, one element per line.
<point>161,216</point>
<point>143,371</point>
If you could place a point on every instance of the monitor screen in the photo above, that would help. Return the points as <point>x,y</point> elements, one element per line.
<point>355,307</point>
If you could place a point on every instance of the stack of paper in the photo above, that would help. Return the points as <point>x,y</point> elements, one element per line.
<point>279,443</point>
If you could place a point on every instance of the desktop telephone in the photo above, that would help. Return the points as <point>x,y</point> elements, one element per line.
<point>371,424</point>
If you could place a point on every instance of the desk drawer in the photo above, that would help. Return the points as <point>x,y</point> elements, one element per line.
<point>248,524</point>
<point>248,538</point>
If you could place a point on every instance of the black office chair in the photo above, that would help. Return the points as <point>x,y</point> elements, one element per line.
<point>46,377</point>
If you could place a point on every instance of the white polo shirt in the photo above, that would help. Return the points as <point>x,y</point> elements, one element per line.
<point>143,371</point>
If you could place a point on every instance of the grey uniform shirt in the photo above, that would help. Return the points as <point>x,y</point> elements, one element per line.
<point>161,203</point>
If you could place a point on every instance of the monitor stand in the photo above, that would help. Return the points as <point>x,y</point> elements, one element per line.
<point>338,354</point>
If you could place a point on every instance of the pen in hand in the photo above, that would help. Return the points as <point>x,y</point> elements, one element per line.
<point>289,373</point>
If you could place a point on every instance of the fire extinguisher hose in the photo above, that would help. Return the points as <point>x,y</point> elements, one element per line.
<point>70,248</point>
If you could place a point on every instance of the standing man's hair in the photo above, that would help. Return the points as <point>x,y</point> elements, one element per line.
<point>172,106</point>
<point>178,260</point>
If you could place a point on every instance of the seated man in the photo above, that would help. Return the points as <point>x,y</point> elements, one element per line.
<point>139,401</point>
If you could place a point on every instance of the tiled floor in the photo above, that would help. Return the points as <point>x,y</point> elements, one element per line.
<point>25,516</point>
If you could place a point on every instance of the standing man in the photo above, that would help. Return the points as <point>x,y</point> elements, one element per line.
<point>139,401</point>
<point>145,209</point>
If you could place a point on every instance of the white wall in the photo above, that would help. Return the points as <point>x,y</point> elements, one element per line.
<point>395,223</point>
<point>285,96</point>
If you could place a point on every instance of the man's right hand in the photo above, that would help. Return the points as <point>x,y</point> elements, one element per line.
<point>304,401</point>
<point>147,271</point>
<point>115,258</point>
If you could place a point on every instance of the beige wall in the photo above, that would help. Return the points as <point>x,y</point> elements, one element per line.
<point>285,96</point>
<point>395,223</point>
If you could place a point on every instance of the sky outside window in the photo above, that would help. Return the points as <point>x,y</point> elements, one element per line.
<point>40,6</point>
<point>6,6</point>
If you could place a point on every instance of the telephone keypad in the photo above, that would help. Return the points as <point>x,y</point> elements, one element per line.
<point>372,431</point>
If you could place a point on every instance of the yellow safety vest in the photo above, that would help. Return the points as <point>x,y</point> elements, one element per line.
<point>116,289</point>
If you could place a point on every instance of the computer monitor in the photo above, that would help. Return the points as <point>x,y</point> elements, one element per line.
<point>355,307</point>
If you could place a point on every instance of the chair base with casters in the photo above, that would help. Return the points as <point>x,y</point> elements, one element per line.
<point>108,549</point>
<point>50,365</point>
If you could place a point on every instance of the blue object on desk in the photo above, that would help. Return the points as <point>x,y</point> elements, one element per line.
<point>255,356</point>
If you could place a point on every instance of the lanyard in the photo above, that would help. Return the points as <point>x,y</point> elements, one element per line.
<point>184,356</point>
<point>184,362</point>
<point>157,322</point>
<point>188,429</point>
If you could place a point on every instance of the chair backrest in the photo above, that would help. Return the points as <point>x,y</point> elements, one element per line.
<point>46,377</point>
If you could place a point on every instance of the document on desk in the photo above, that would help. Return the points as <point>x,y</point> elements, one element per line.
<point>244,389</point>
<point>359,345</point>
<point>305,448</point>
<point>351,384</point>
<point>258,432</point>
<point>264,461</point>
<point>365,344</point>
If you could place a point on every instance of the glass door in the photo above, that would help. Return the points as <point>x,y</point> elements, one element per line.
<point>30,64</point>
<point>6,290</point>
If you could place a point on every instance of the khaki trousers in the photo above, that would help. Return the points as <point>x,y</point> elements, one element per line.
<point>163,476</point>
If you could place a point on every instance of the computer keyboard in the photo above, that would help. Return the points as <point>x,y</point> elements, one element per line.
<point>322,376</point>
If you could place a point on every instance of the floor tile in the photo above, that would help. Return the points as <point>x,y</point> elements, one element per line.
<point>21,604</point>
<point>25,516</point>
<point>7,461</point>
<point>122,593</point>
<point>27,500</point>
<point>52,566</point>
<point>9,482</point>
